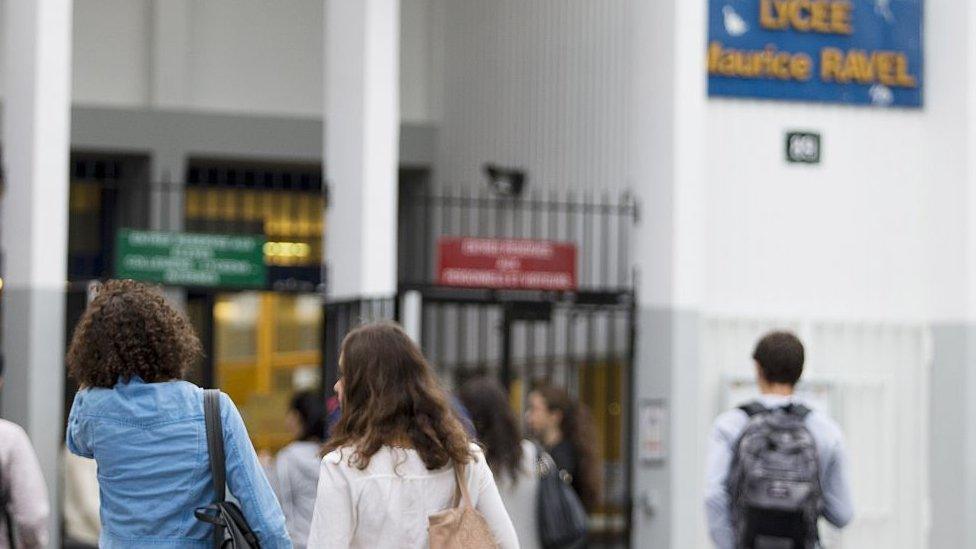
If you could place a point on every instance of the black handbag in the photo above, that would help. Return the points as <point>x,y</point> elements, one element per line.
<point>231,530</point>
<point>561,516</point>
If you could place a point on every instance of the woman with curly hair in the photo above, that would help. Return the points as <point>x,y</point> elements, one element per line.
<point>144,426</point>
<point>390,462</point>
<point>565,429</point>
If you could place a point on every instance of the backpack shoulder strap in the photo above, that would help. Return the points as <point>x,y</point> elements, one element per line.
<point>753,409</point>
<point>215,442</point>
<point>798,410</point>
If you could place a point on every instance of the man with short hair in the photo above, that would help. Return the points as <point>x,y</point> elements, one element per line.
<point>779,360</point>
<point>23,493</point>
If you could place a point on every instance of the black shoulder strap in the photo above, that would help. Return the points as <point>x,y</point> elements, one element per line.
<point>753,409</point>
<point>215,442</point>
<point>798,410</point>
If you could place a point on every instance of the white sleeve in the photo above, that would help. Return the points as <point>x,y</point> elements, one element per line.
<point>333,520</point>
<point>491,507</point>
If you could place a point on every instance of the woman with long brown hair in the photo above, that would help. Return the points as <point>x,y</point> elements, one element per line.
<point>513,460</point>
<point>390,462</point>
<point>565,429</point>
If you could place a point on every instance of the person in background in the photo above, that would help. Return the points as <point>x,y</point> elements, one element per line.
<point>144,426</point>
<point>81,502</point>
<point>390,463</point>
<point>565,429</point>
<point>296,467</point>
<point>24,504</point>
<point>513,460</point>
<point>779,358</point>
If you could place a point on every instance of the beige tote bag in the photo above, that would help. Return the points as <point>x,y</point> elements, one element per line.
<point>461,527</point>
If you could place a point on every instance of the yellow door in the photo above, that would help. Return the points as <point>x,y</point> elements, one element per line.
<point>267,345</point>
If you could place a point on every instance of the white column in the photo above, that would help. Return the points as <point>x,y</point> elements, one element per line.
<point>34,217</point>
<point>667,150</point>
<point>362,118</point>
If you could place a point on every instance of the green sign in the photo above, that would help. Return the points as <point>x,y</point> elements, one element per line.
<point>184,259</point>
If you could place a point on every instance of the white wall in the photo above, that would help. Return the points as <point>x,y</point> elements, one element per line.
<point>876,231</point>
<point>239,56</point>
<point>256,56</point>
<point>111,52</point>
<point>541,85</point>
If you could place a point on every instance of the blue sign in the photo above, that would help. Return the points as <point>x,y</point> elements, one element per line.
<point>840,51</point>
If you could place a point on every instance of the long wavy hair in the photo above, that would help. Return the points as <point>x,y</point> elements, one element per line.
<point>494,421</point>
<point>577,427</point>
<point>391,397</point>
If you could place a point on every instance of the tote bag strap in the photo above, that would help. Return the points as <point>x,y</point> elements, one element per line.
<point>465,497</point>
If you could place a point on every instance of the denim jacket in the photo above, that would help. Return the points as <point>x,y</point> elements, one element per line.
<point>149,441</point>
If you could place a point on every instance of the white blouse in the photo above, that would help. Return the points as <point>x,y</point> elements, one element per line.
<point>387,504</point>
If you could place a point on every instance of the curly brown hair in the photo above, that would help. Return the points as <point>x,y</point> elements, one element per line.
<point>391,397</point>
<point>130,330</point>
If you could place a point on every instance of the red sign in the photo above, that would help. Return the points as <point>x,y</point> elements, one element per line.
<point>507,263</point>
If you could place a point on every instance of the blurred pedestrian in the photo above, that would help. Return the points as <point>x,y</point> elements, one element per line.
<point>775,466</point>
<point>296,467</point>
<point>565,429</point>
<point>513,460</point>
<point>81,502</point>
<point>144,426</point>
<point>398,452</point>
<point>24,506</point>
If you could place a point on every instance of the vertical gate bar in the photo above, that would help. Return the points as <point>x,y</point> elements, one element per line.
<point>572,228</point>
<point>425,332</point>
<point>441,338</point>
<point>531,333</point>
<point>462,329</point>
<point>499,217</point>
<point>551,346</point>
<point>613,384</point>
<point>427,235</point>
<point>517,219</point>
<point>623,217</point>
<point>552,217</point>
<point>535,215</point>
<point>570,359</point>
<point>605,241</point>
<point>588,255</point>
<point>630,408</point>
<point>471,211</point>
<point>481,325</point>
<point>506,369</point>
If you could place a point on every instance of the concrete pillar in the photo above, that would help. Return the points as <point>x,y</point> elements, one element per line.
<point>34,217</point>
<point>361,147</point>
<point>668,113</point>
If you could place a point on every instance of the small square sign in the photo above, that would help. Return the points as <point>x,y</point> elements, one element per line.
<point>803,148</point>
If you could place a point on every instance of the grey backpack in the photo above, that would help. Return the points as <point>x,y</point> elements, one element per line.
<point>774,480</point>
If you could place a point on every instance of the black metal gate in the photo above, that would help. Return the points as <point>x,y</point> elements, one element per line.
<point>581,340</point>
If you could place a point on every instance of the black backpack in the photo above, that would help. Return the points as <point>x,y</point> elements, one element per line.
<point>774,480</point>
<point>231,530</point>
<point>561,516</point>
